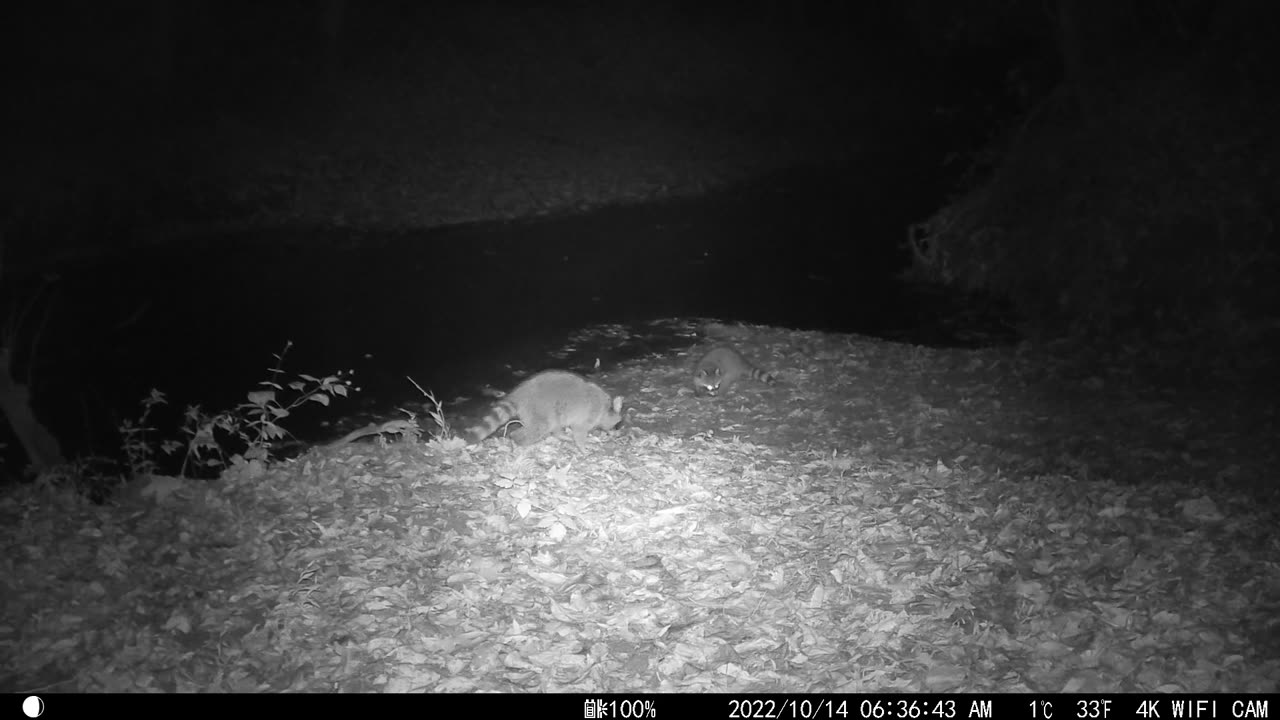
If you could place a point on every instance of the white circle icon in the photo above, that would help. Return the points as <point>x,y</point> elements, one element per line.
<point>33,707</point>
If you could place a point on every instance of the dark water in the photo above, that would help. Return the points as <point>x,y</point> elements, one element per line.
<point>456,307</point>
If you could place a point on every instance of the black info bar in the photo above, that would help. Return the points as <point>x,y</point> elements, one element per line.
<point>665,706</point>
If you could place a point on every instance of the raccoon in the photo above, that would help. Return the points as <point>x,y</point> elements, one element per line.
<point>720,368</point>
<point>548,403</point>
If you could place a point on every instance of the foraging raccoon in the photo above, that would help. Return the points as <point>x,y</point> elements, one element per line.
<point>720,368</point>
<point>548,403</point>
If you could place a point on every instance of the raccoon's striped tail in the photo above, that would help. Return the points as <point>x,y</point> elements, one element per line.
<point>767,378</point>
<point>498,416</point>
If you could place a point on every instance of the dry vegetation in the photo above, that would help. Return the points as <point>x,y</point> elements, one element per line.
<point>885,518</point>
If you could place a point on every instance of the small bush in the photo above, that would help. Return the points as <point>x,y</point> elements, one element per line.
<point>256,425</point>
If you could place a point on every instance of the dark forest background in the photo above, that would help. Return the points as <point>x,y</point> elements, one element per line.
<point>1110,167</point>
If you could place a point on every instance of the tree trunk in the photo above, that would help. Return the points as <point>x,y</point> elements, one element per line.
<point>1075,66</point>
<point>161,59</point>
<point>333,15</point>
<point>42,448</point>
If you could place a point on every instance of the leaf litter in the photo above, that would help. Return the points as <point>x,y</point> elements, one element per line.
<point>884,518</point>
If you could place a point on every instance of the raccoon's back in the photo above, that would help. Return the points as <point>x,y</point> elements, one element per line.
<point>721,367</point>
<point>547,403</point>
<point>731,363</point>
<point>724,359</point>
<point>555,384</point>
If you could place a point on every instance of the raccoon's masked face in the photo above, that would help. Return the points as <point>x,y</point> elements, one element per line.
<point>706,383</point>
<point>616,407</point>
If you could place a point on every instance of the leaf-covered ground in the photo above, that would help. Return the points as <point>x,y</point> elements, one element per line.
<point>885,517</point>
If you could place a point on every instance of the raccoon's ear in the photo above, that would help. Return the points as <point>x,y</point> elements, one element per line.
<point>617,404</point>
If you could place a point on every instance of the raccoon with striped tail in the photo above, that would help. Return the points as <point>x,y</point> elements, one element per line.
<point>547,404</point>
<point>720,368</point>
